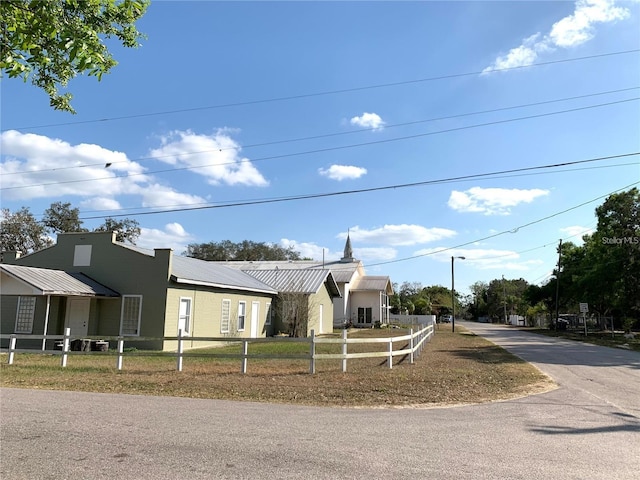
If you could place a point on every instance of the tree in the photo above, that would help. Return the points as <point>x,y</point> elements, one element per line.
<point>127,230</point>
<point>61,218</point>
<point>52,41</point>
<point>245,250</point>
<point>20,231</point>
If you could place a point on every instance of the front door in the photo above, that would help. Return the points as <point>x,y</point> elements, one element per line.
<point>255,316</point>
<point>77,317</point>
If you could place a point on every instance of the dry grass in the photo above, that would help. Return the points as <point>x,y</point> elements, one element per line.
<point>453,368</point>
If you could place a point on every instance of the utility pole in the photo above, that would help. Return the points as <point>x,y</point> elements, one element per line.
<point>555,322</point>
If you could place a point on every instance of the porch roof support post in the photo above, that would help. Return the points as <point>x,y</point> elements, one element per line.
<point>46,322</point>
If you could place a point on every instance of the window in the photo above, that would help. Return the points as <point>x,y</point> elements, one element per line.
<point>269,315</point>
<point>242,313</point>
<point>25,314</point>
<point>225,318</point>
<point>82,256</point>
<point>130,315</point>
<point>184,315</point>
<point>365,315</point>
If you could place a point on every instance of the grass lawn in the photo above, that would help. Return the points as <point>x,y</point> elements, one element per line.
<point>597,338</point>
<point>453,368</point>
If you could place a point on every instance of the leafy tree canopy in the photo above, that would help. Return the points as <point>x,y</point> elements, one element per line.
<point>52,41</point>
<point>20,231</point>
<point>245,250</point>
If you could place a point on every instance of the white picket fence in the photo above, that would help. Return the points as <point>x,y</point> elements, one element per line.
<point>416,340</point>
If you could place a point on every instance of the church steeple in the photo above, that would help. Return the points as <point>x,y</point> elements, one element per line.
<point>348,251</point>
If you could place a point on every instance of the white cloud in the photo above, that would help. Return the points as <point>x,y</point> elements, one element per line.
<point>156,195</point>
<point>492,201</point>
<point>316,252</point>
<point>342,172</point>
<point>368,120</point>
<point>398,235</point>
<point>100,203</point>
<point>173,236</point>
<point>576,232</point>
<point>36,166</point>
<point>482,259</point>
<point>570,31</point>
<point>310,250</point>
<point>216,157</point>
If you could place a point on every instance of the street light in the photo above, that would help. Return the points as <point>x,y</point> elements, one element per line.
<point>453,297</point>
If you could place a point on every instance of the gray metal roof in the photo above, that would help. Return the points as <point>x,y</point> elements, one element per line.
<point>296,280</point>
<point>213,274</point>
<point>57,282</point>
<point>342,272</point>
<point>374,283</point>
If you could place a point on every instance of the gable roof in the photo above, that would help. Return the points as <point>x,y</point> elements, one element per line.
<point>342,272</point>
<point>297,280</point>
<point>44,281</point>
<point>200,272</point>
<point>372,283</point>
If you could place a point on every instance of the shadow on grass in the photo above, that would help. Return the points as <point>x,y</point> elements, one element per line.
<point>486,354</point>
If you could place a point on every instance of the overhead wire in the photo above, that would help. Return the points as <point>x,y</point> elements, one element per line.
<point>504,232</point>
<point>328,149</point>
<point>336,134</point>
<point>329,92</point>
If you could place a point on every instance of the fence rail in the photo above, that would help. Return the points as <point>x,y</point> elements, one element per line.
<point>416,342</point>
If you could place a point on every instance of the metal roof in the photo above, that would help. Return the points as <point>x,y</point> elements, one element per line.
<point>342,272</point>
<point>44,281</point>
<point>213,274</point>
<point>210,274</point>
<point>297,280</point>
<point>377,283</point>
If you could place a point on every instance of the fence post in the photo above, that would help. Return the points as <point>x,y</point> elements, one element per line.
<point>312,366</point>
<point>391,353</point>
<point>245,351</point>
<point>411,347</point>
<point>12,348</point>
<point>180,350</point>
<point>120,353</point>
<point>65,346</point>
<point>344,350</point>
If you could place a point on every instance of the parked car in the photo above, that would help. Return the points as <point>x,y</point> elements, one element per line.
<point>446,318</point>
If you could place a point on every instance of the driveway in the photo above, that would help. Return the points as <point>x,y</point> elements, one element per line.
<point>589,428</point>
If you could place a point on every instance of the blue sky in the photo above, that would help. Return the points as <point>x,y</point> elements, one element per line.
<point>244,102</point>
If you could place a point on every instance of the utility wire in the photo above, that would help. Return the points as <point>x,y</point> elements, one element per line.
<point>329,92</point>
<point>328,149</point>
<point>497,176</point>
<point>372,189</point>
<point>351,132</point>
<point>513,230</point>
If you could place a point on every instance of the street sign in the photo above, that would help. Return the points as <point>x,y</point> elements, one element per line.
<point>584,308</point>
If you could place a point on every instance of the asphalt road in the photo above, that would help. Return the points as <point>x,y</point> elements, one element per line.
<point>589,428</point>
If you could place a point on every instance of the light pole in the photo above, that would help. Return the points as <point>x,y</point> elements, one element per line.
<point>453,296</point>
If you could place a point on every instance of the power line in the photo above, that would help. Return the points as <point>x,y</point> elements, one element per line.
<point>513,230</point>
<point>329,92</point>
<point>172,208</point>
<point>328,149</point>
<point>371,189</point>
<point>351,132</point>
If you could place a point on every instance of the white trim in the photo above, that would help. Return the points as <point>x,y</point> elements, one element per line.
<point>244,315</point>
<point>225,317</point>
<point>186,327</point>
<point>221,285</point>
<point>29,310</point>
<point>124,299</point>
